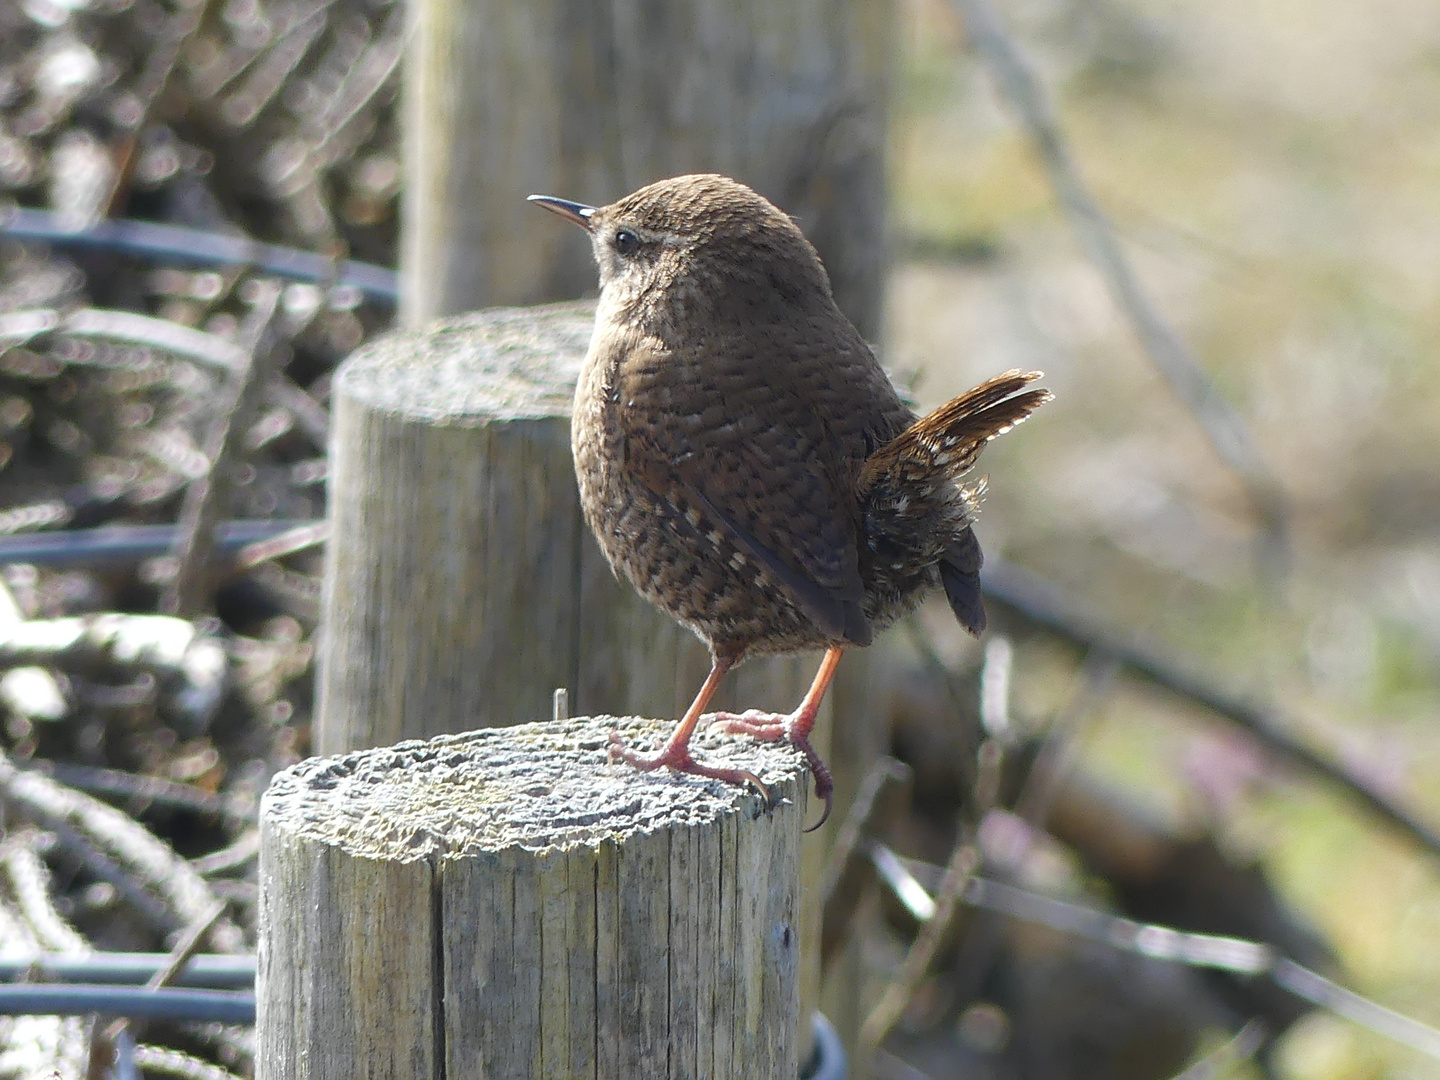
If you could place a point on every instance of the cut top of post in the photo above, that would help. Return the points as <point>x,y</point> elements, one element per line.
<point>500,364</point>
<point>534,786</point>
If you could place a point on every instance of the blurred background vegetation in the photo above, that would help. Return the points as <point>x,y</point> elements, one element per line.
<point>1274,170</point>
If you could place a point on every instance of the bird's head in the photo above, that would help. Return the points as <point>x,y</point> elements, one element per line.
<point>691,242</point>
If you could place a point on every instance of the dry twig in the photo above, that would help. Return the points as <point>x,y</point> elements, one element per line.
<point>884,791</point>
<point>937,929</point>
<point>1039,602</point>
<point>1227,432</point>
<point>207,497</point>
<point>1236,955</point>
<point>1221,1061</point>
<point>150,862</point>
<point>245,848</point>
<point>939,926</point>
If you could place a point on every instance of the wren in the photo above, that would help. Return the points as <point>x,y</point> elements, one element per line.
<point>744,460</point>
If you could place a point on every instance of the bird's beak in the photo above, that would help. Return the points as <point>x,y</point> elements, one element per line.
<point>579,213</point>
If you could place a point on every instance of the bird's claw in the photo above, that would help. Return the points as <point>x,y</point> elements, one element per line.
<point>772,727</point>
<point>677,756</point>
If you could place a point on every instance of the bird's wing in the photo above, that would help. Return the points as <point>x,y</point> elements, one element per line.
<point>743,449</point>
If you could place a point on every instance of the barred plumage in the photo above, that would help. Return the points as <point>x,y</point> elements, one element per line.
<point>744,460</point>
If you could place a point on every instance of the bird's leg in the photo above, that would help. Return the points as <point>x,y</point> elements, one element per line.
<point>675,754</point>
<point>794,728</point>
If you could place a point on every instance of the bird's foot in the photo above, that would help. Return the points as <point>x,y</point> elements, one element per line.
<point>793,728</point>
<point>676,755</point>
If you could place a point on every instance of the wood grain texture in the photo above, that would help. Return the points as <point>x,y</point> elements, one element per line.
<point>451,585</point>
<point>508,904</point>
<point>590,101</point>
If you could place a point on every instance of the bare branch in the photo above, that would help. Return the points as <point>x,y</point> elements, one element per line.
<point>1041,603</point>
<point>1231,954</point>
<point>1227,432</point>
<point>1223,1059</point>
<point>207,496</point>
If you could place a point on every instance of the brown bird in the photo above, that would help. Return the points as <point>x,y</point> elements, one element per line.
<point>744,460</point>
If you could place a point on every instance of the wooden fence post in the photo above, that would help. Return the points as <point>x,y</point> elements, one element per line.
<point>508,904</point>
<point>591,100</point>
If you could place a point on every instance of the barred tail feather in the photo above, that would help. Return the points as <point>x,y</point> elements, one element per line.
<point>948,440</point>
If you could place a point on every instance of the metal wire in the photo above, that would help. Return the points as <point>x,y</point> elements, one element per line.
<point>211,971</point>
<point>79,999</point>
<point>127,543</point>
<point>206,248</point>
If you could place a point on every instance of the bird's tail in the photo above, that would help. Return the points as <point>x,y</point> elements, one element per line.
<point>948,440</point>
<point>917,517</point>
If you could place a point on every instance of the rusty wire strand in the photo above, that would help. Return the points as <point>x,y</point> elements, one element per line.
<point>180,953</point>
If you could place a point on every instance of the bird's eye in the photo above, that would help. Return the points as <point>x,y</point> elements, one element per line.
<point>626,242</point>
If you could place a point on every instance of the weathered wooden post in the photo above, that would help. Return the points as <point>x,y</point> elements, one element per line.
<point>589,101</point>
<point>508,905</point>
